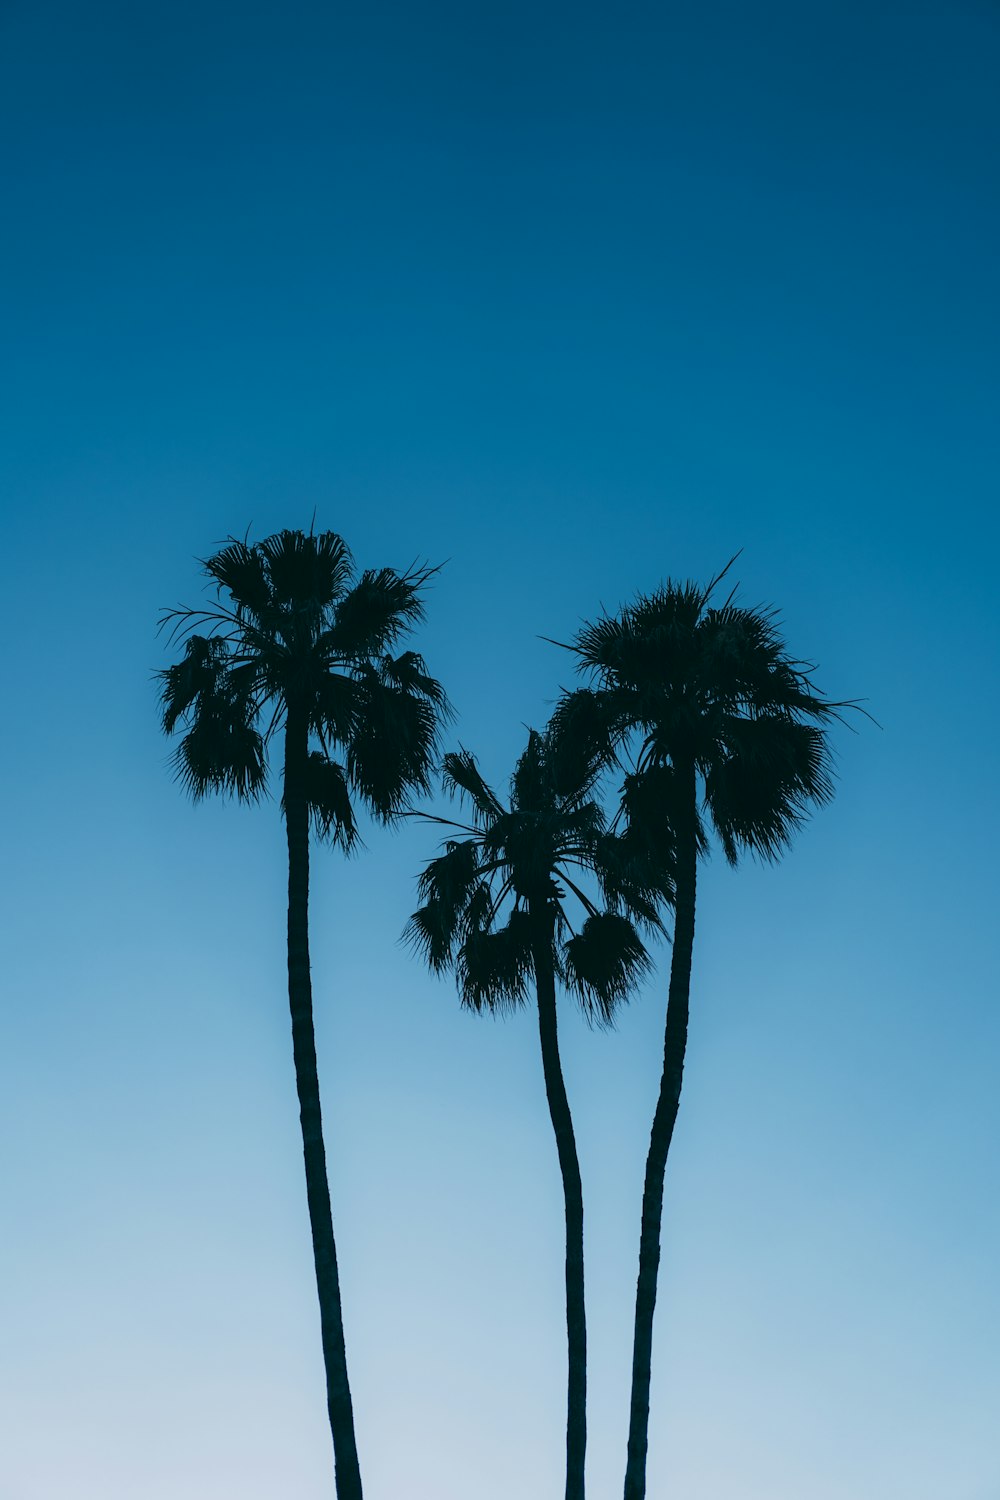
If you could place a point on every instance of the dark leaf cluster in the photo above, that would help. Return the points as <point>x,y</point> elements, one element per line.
<point>294,630</point>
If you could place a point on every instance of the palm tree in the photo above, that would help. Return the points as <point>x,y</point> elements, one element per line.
<point>728,735</point>
<point>302,649</point>
<point>495,911</point>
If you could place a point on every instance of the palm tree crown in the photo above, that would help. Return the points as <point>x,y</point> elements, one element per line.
<point>710,689</point>
<point>302,637</point>
<point>484,897</point>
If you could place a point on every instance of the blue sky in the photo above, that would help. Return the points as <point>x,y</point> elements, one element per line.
<point>573,299</point>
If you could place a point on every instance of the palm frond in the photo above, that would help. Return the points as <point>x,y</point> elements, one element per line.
<point>598,644</point>
<point>451,879</point>
<point>429,935</point>
<point>579,825</point>
<point>239,569</point>
<point>329,799</point>
<point>494,967</point>
<point>200,672</point>
<point>409,672</point>
<point>307,572</point>
<point>584,734</point>
<point>603,964</point>
<point>335,707</point>
<point>222,753</point>
<point>381,607</point>
<point>461,777</point>
<point>760,789</point>
<point>213,692</point>
<point>531,788</point>
<point>393,743</point>
<point>634,876</point>
<point>651,809</point>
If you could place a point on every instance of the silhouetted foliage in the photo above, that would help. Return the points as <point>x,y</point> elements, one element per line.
<point>296,643</point>
<point>726,732</point>
<point>494,910</point>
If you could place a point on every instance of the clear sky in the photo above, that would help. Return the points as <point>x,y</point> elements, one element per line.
<point>573,298</point>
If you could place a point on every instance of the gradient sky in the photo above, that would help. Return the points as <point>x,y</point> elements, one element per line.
<point>573,298</point>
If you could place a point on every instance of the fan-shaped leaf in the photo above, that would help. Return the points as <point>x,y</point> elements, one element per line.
<point>603,963</point>
<point>494,967</point>
<point>761,787</point>
<point>381,606</point>
<point>461,777</point>
<point>329,801</point>
<point>240,570</point>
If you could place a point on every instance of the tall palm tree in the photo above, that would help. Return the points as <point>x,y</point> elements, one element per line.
<point>495,910</point>
<point>728,734</point>
<point>298,645</point>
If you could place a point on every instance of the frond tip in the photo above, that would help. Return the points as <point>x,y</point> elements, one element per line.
<point>603,964</point>
<point>329,800</point>
<point>219,755</point>
<point>222,749</point>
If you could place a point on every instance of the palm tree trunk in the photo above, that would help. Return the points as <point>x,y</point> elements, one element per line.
<point>569,1166</point>
<point>338,1391</point>
<point>664,1117</point>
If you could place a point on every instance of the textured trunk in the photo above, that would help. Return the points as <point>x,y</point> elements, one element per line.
<point>569,1166</point>
<point>674,1045</point>
<point>338,1391</point>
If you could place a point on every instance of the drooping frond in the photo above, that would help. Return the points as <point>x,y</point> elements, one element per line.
<point>201,671</point>
<point>450,880</point>
<point>760,787</point>
<point>393,742</point>
<point>221,752</point>
<point>494,967</point>
<point>214,694</point>
<point>329,799</point>
<point>428,934</point>
<point>457,904</point>
<point>634,879</point>
<point>381,607</point>
<point>651,810</point>
<point>603,964</point>
<point>461,777</point>
<point>334,706</point>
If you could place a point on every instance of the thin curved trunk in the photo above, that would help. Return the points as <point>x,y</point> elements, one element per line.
<point>664,1117</point>
<point>569,1166</point>
<point>338,1391</point>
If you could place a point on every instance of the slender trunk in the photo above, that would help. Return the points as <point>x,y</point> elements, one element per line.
<point>338,1391</point>
<point>674,1045</point>
<point>569,1166</point>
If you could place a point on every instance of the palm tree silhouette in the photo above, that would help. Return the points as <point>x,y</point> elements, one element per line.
<point>302,649</point>
<point>494,910</point>
<point>712,703</point>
